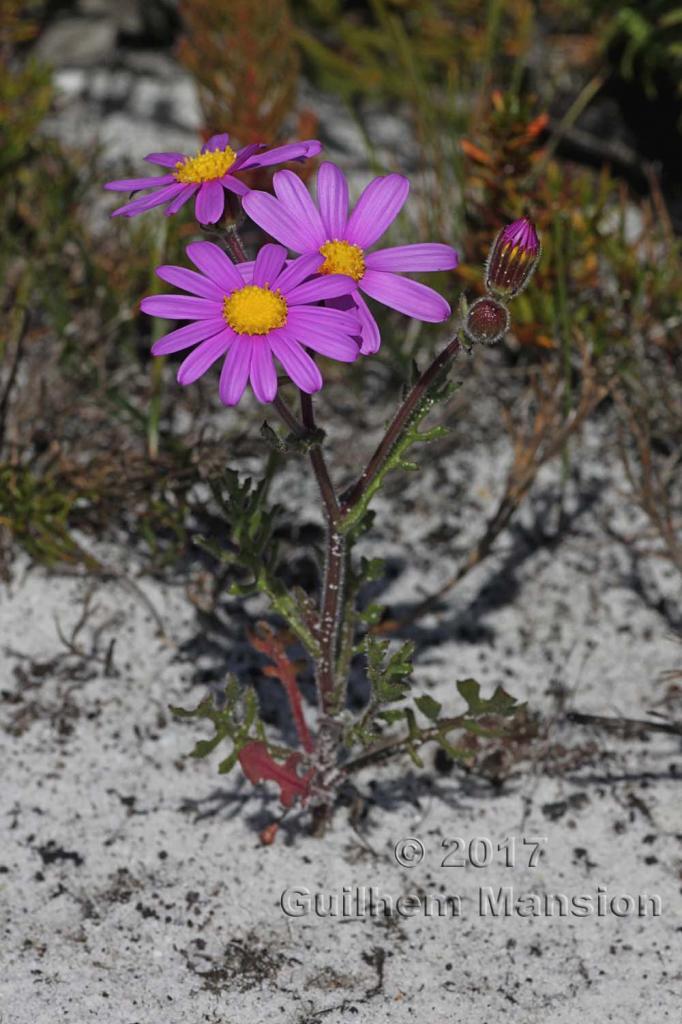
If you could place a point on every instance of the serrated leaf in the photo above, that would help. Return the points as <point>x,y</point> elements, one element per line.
<point>259,765</point>
<point>388,675</point>
<point>272,438</point>
<point>233,719</point>
<point>501,702</point>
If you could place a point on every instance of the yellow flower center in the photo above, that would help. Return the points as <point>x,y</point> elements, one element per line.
<point>343,258</point>
<point>205,166</point>
<point>255,310</point>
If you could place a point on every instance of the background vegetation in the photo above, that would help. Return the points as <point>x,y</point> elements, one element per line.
<point>567,110</point>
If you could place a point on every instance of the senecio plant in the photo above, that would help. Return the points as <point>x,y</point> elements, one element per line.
<point>302,296</point>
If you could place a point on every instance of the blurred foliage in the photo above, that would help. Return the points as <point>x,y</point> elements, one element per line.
<point>25,90</point>
<point>482,146</point>
<point>74,387</point>
<point>244,60</point>
<point>644,41</point>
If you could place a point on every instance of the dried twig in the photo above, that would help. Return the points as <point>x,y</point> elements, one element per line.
<point>627,725</point>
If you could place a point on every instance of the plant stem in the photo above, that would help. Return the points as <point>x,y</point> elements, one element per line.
<point>235,245</point>
<point>398,424</point>
<point>158,328</point>
<point>331,603</point>
<point>329,500</point>
<point>287,416</point>
<point>388,747</point>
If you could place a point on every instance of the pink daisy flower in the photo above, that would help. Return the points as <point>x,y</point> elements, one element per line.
<point>341,241</point>
<point>248,315</point>
<point>205,176</point>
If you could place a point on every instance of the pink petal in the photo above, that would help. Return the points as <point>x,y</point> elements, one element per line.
<point>301,368</point>
<point>409,297</point>
<point>376,209</point>
<point>216,142</point>
<point>298,270</point>
<point>332,199</point>
<point>369,329</point>
<point>235,371</point>
<point>341,348</point>
<point>145,203</point>
<point>185,337</point>
<point>191,282</point>
<point>269,262</point>
<point>412,258</point>
<point>293,194</point>
<point>245,152</point>
<point>273,217</point>
<point>210,202</point>
<point>133,184</point>
<point>213,262</point>
<point>204,356</point>
<point>263,375</point>
<point>180,307</point>
<point>327,286</point>
<point>282,154</point>
<point>181,198</point>
<point>166,159</point>
<point>325,320</point>
<point>233,184</point>
<point>326,341</point>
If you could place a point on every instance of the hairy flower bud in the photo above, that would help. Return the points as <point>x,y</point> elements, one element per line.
<point>486,321</point>
<point>513,258</point>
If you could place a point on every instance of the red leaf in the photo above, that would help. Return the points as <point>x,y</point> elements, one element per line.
<point>257,765</point>
<point>274,647</point>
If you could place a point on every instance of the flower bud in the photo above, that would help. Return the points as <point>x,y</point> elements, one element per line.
<point>486,321</point>
<point>513,258</point>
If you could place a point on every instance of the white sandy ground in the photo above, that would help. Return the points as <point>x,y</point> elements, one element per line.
<point>134,890</point>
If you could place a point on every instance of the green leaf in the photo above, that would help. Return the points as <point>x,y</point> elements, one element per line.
<point>205,747</point>
<point>371,569</point>
<point>456,753</point>
<point>501,702</point>
<point>228,764</point>
<point>392,715</point>
<point>272,438</point>
<point>235,718</point>
<point>389,675</point>
<point>371,614</point>
<point>429,707</point>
